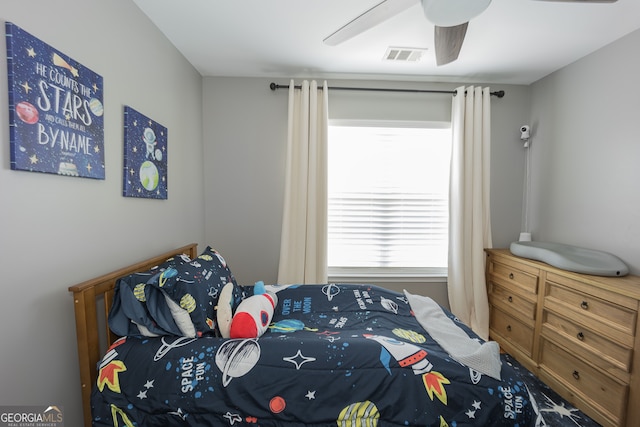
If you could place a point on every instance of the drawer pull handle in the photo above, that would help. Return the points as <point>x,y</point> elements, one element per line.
<point>509,328</point>
<point>510,299</point>
<point>511,276</point>
<point>576,375</point>
<point>584,305</point>
<point>580,336</point>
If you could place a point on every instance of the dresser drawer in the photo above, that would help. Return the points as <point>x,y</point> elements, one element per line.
<point>600,390</point>
<point>593,347</point>
<point>577,332</point>
<point>513,303</point>
<point>510,329</point>
<point>618,297</point>
<point>506,275</point>
<point>603,315</point>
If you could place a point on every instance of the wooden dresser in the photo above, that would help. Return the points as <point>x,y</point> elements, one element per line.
<point>576,332</point>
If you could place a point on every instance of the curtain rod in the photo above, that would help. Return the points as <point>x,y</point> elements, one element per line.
<point>274,86</point>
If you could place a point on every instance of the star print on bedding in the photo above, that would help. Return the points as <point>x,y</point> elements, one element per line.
<point>333,355</point>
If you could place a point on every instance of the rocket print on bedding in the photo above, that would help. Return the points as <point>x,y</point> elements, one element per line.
<point>333,355</point>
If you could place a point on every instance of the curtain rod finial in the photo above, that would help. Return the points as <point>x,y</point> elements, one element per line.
<point>273,86</point>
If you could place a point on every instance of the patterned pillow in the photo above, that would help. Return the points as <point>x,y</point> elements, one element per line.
<point>129,314</point>
<point>191,289</point>
<point>178,297</point>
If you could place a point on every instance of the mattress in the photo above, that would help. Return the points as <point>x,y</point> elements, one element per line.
<point>333,354</point>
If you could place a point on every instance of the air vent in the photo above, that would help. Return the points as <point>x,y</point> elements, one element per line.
<point>404,54</point>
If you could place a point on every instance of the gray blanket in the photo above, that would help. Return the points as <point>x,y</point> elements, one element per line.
<point>483,357</point>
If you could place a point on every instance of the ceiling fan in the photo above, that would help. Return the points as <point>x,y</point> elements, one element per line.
<point>450,18</point>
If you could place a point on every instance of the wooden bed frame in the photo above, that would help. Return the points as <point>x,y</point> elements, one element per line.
<point>87,296</point>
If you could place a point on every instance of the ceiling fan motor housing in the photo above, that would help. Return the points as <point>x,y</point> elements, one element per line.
<point>449,13</point>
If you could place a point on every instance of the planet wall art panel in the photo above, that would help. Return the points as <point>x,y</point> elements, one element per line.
<point>145,156</point>
<point>56,122</point>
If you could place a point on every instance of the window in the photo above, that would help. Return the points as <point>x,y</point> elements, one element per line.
<point>388,199</point>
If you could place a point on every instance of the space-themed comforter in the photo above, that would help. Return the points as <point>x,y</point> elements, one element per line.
<point>345,355</point>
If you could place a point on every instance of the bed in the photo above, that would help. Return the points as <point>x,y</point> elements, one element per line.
<point>333,354</point>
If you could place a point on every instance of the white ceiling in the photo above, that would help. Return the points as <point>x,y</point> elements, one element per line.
<point>512,42</point>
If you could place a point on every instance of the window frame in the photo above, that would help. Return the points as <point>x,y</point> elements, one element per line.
<point>389,274</point>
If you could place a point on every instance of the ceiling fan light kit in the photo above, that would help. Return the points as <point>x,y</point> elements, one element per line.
<point>449,13</point>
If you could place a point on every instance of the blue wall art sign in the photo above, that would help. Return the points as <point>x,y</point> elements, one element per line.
<point>145,156</point>
<point>56,122</point>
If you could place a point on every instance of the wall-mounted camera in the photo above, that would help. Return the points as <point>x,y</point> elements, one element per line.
<point>524,132</point>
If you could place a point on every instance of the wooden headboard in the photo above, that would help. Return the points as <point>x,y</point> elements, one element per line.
<point>91,325</point>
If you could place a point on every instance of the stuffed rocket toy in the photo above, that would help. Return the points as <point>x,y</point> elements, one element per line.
<point>252,317</point>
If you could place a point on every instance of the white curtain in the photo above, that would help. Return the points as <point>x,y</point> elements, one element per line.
<point>303,245</point>
<point>469,210</point>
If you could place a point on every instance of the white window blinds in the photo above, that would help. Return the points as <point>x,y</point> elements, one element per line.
<point>388,198</point>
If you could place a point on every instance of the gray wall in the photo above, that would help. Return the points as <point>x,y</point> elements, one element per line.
<point>227,139</point>
<point>58,231</point>
<point>245,136</point>
<point>586,153</point>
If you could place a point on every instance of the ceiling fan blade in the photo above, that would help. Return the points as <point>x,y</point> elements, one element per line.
<point>369,19</point>
<point>448,42</point>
